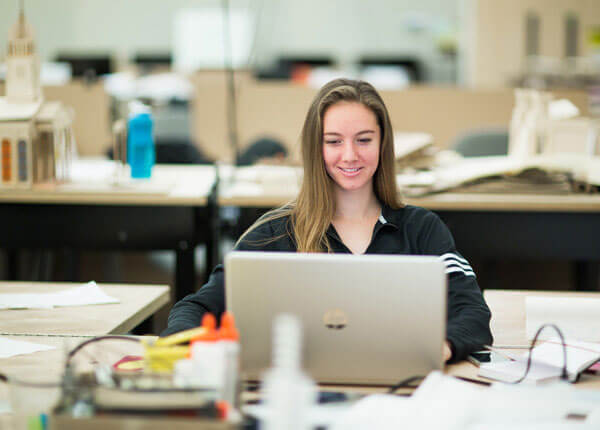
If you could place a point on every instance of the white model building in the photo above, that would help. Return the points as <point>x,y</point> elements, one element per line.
<point>36,137</point>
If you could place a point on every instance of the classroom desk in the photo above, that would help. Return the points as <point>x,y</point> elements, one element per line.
<point>508,326</point>
<point>484,226</point>
<point>48,366</point>
<point>174,210</point>
<point>137,303</point>
<point>508,312</point>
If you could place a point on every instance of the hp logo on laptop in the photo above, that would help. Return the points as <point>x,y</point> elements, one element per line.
<point>335,319</point>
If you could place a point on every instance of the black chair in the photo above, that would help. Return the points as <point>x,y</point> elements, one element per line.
<point>482,142</point>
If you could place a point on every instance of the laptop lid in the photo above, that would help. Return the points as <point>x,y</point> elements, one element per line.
<point>366,319</point>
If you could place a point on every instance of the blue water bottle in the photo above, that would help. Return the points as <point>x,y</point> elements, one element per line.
<point>140,145</point>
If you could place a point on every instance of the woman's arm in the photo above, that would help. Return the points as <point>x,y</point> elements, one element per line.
<point>468,327</point>
<point>188,312</point>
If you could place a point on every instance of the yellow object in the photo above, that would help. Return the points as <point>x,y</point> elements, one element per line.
<point>163,358</point>
<point>160,355</point>
<point>181,337</point>
<point>132,365</point>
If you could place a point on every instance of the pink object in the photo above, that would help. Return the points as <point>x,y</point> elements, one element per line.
<point>595,367</point>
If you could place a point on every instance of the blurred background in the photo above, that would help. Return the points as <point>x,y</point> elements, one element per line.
<point>444,67</point>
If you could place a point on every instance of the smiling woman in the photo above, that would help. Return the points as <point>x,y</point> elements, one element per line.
<point>351,146</point>
<point>351,155</point>
<point>347,127</point>
<point>348,203</point>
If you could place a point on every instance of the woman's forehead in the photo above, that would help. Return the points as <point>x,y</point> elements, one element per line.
<point>349,116</point>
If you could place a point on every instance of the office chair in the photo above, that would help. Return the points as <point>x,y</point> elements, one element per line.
<point>482,142</point>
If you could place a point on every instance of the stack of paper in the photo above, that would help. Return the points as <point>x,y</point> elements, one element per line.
<point>577,317</point>
<point>547,361</point>
<point>88,294</point>
<point>11,347</point>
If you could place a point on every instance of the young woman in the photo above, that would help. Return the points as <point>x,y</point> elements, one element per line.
<point>348,204</point>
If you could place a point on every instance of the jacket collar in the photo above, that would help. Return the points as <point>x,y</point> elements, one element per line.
<point>389,218</point>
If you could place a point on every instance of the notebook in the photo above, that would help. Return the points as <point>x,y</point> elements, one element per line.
<point>367,319</point>
<point>547,362</point>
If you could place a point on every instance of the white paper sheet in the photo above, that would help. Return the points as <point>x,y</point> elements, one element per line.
<point>577,317</point>
<point>11,347</point>
<point>88,294</point>
<point>579,354</point>
<point>547,361</point>
<point>511,371</point>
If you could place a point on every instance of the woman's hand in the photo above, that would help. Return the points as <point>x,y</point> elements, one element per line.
<point>447,351</point>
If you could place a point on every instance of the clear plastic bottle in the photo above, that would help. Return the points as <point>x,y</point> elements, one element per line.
<point>527,144</point>
<point>229,341</point>
<point>542,120</point>
<point>207,356</point>
<point>288,393</point>
<point>515,142</point>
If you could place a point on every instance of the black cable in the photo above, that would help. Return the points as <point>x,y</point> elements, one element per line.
<point>231,99</point>
<point>257,26</point>
<point>405,383</point>
<point>564,374</point>
<point>75,350</point>
<point>473,381</point>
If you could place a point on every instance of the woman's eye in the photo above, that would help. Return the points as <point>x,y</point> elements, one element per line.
<point>364,140</point>
<point>332,141</point>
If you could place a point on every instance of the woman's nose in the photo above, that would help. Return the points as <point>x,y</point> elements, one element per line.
<point>349,151</point>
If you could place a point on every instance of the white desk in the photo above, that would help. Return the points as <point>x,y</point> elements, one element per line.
<point>171,211</point>
<point>484,226</point>
<point>93,182</point>
<point>508,327</point>
<point>266,186</point>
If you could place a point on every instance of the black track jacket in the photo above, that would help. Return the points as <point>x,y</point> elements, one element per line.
<point>409,230</point>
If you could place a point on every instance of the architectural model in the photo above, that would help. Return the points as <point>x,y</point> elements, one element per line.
<point>36,136</point>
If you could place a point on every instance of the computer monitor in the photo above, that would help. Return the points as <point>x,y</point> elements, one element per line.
<point>411,66</point>
<point>84,65</point>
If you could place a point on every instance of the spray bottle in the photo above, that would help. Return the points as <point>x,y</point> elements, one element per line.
<point>288,393</point>
<point>207,355</point>
<point>229,341</point>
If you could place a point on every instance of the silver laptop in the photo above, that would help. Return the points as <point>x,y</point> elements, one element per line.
<point>366,319</point>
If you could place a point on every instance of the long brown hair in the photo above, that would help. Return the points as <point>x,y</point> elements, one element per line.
<point>313,210</point>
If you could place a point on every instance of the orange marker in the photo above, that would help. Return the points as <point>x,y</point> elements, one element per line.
<point>6,161</point>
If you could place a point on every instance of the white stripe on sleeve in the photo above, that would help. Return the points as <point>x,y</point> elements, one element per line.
<point>450,255</point>
<point>450,263</point>
<point>458,269</point>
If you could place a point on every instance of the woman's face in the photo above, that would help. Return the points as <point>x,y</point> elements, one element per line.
<point>351,142</point>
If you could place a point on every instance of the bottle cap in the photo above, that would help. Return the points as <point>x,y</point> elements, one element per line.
<point>222,408</point>
<point>228,330</point>
<point>210,334</point>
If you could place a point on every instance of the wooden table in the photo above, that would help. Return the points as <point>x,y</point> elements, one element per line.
<point>174,210</point>
<point>137,303</point>
<point>48,366</point>
<point>508,326</point>
<point>508,312</point>
<point>484,226</point>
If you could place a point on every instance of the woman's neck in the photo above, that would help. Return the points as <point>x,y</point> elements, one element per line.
<point>356,205</point>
